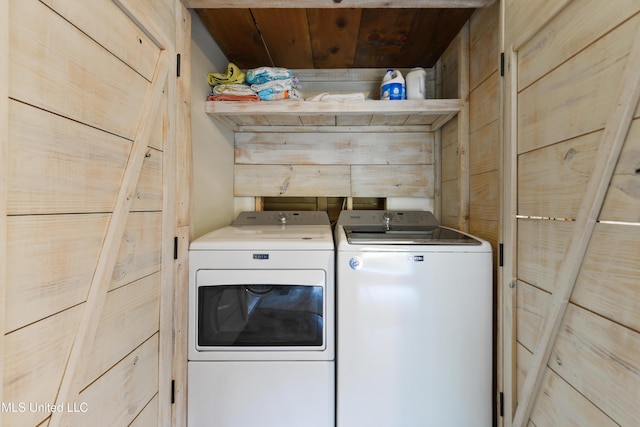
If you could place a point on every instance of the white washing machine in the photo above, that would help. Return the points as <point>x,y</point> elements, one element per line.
<point>414,316</point>
<point>261,323</point>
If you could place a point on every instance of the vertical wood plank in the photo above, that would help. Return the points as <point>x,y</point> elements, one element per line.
<point>169,222</point>
<point>344,25</point>
<point>181,274</point>
<point>463,130</point>
<point>615,134</point>
<point>293,44</point>
<point>509,231</point>
<point>183,203</point>
<point>71,381</point>
<point>4,141</point>
<point>239,22</point>
<point>437,168</point>
<point>183,120</point>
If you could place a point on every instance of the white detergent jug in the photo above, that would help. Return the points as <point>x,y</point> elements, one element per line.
<point>393,86</point>
<point>417,83</point>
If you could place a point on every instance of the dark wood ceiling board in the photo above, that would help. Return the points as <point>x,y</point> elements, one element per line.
<point>431,32</point>
<point>334,36</point>
<point>195,4</point>
<point>237,36</point>
<point>286,35</point>
<point>383,34</point>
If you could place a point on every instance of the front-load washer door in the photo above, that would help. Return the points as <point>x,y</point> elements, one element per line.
<point>256,314</point>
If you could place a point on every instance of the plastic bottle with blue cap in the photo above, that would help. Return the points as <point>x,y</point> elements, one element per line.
<point>393,86</point>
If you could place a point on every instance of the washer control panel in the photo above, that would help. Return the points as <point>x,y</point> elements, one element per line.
<point>388,218</point>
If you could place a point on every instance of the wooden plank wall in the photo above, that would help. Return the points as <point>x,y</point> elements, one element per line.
<point>183,167</point>
<point>334,164</point>
<point>344,163</point>
<point>576,75</point>
<point>89,218</point>
<point>481,191</point>
<point>4,165</point>
<point>470,172</point>
<point>454,136</point>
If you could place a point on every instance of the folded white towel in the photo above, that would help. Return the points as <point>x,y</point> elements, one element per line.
<point>232,89</point>
<point>357,96</point>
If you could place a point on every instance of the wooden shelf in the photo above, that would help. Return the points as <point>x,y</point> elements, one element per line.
<point>335,116</point>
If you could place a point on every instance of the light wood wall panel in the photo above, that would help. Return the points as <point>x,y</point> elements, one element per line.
<point>90,156</point>
<point>484,150</point>
<point>484,200</point>
<point>51,260</point>
<point>570,68</point>
<point>131,385</point>
<point>135,304</point>
<point>565,35</point>
<point>600,359</point>
<point>484,39</point>
<point>42,245</point>
<point>576,97</point>
<point>398,181</point>
<point>450,175</point>
<point>484,135</point>
<point>122,38</point>
<point>334,148</point>
<point>558,403</point>
<point>449,160</point>
<point>450,203</point>
<point>4,166</point>
<point>483,101</point>
<point>532,304</point>
<point>43,347</point>
<point>623,198</point>
<point>339,164</point>
<point>524,19</point>
<point>541,246</point>
<point>553,179</point>
<point>148,416</point>
<point>50,171</point>
<point>481,178</point>
<point>61,166</point>
<point>612,291</point>
<point>57,67</point>
<point>292,180</point>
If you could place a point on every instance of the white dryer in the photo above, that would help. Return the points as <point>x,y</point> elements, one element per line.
<point>414,316</point>
<point>261,323</point>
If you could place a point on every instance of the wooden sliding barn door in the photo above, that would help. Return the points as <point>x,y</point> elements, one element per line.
<point>89,211</point>
<point>572,209</point>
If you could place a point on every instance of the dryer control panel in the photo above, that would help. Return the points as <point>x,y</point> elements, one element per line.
<point>281,218</point>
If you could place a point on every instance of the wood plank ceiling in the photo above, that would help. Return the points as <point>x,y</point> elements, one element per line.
<point>330,38</point>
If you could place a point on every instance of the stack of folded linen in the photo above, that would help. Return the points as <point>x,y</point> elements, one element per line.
<point>230,86</point>
<point>272,83</point>
<point>259,84</point>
